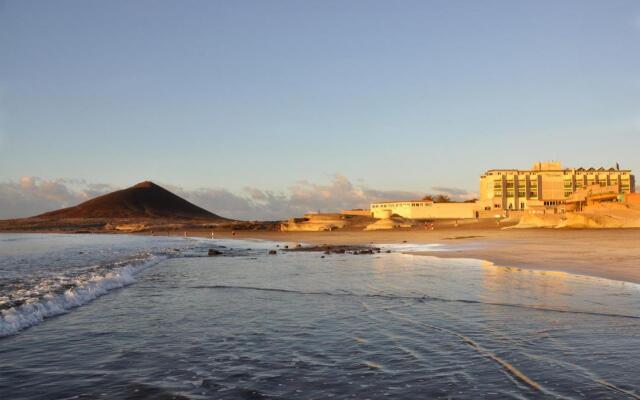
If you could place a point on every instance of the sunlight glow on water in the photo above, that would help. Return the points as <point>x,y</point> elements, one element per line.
<point>296,325</point>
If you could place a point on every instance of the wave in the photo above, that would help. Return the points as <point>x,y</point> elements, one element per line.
<point>412,247</point>
<point>36,310</point>
<point>506,366</point>
<point>417,298</point>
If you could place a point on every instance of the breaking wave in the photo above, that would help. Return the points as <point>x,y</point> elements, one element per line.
<point>49,302</point>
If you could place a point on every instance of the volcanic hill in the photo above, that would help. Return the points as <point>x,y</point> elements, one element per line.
<point>146,200</point>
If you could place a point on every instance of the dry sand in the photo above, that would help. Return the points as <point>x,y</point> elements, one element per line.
<point>607,253</point>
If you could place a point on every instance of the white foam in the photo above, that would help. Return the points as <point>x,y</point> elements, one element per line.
<point>239,243</point>
<point>34,312</point>
<point>412,247</point>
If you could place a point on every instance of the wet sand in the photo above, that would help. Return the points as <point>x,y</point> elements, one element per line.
<point>301,325</point>
<point>606,253</point>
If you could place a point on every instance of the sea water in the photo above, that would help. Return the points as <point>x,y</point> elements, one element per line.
<point>108,316</point>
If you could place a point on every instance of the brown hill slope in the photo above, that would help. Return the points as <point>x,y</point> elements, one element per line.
<point>144,200</point>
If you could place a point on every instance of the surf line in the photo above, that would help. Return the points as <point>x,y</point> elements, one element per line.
<point>617,389</point>
<point>592,377</point>
<point>415,298</point>
<point>508,367</point>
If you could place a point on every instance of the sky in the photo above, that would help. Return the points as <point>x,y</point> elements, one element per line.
<point>261,109</point>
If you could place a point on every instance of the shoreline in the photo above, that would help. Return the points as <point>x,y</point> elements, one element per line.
<point>612,254</point>
<point>605,253</point>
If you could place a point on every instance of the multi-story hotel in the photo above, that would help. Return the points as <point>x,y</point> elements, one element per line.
<point>546,185</point>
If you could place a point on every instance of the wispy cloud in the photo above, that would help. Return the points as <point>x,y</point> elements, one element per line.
<point>302,197</point>
<point>31,195</point>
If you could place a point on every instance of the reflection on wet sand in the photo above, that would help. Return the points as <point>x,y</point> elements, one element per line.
<point>299,326</point>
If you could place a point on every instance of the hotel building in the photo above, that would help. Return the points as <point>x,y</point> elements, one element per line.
<point>546,185</point>
<point>546,188</point>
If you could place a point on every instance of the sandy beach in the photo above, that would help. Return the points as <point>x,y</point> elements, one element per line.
<point>607,253</point>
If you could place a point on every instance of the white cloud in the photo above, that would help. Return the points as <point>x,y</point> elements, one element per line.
<point>302,197</point>
<point>32,195</point>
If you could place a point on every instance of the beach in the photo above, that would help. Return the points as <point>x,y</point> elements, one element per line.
<point>141,317</point>
<point>606,253</point>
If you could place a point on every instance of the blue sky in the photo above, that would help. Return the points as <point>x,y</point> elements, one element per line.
<point>396,96</point>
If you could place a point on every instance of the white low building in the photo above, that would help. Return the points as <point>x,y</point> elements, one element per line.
<point>424,210</point>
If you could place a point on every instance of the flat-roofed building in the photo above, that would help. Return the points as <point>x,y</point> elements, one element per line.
<point>546,185</point>
<point>423,210</point>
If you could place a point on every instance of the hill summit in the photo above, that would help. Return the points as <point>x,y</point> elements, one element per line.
<point>144,200</point>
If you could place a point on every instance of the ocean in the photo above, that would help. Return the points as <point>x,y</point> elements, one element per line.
<point>132,317</point>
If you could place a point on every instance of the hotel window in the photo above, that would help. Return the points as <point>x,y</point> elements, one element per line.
<point>497,188</point>
<point>625,184</point>
<point>533,187</point>
<point>522,187</point>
